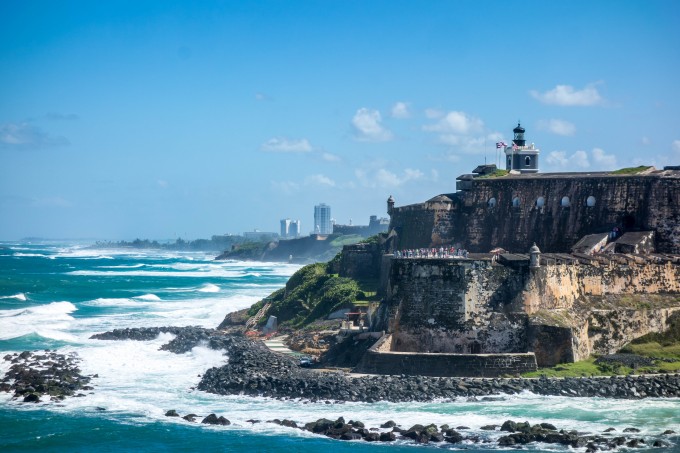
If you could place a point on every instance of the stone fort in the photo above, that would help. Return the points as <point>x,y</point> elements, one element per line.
<point>560,266</point>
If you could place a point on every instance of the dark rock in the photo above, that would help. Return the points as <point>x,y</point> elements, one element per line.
<point>350,436</point>
<point>631,430</point>
<point>213,419</point>
<point>190,417</point>
<point>32,398</point>
<point>609,430</point>
<point>667,432</point>
<point>549,426</point>
<point>172,413</point>
<point>372,437</point>
<point>489,427</point>
<point>388,424</point>
<point>387,437</point>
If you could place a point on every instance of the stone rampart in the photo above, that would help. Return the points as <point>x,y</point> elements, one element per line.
<point>553,210</point>
<point>562,312</point>
<point>378,360</point>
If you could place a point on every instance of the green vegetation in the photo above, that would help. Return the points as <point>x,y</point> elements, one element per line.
<point>496,174</point>
<point>312,293</point>
<point>664,348</point>
<point>347,239</point>
<point>576,369</point>
<point>631,170</point>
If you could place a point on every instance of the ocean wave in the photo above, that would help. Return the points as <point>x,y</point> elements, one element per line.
<point>209,288</point>
<point>150,297</point>
<point>113,302</point>
<point>31,255</point>
<point>49,321</point>
<point>20,296</point>
<point>123,266</point>
<point>200,274</point>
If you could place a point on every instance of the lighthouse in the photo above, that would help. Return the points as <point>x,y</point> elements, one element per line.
<point>521,157</point>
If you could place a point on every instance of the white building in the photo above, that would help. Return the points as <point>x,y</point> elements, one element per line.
<point>322,219</point>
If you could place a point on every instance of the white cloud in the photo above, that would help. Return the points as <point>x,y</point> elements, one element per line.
<point>605,161</point>
<point>284,145</point>
<point>559,127</point>
<point>368,126</point>
<point>433,114</point>
<point>676,146</point>
<point>319,180</point>
<point>401,110</point>
<point>384,178</point>
<point>27,136</point>
<point>646,141</point>
<point>328,157</point>
<point>566,95</point>
<point>560,159</point>
<point>580,160</point>
<point>456,123</point>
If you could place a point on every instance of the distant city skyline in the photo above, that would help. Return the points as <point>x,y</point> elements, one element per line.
<point>166,119</point>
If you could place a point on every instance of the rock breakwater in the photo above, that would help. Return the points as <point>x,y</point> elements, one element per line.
<point>252,369</point>
<point>35,375</point>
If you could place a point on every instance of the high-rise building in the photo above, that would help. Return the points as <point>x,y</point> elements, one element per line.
<point>322,219</point>
<point>285,228</point>
<point>295,229</point>
<point>290,228</point>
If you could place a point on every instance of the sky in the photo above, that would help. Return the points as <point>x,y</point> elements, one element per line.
<point>167,119</point>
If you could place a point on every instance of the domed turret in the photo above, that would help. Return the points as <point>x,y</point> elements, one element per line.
<point>534,256</point>
<point>390,205</point>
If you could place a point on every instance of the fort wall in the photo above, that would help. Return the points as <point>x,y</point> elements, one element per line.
<point>560,312</point>
<point>514,211</point>
<point>379,360</point>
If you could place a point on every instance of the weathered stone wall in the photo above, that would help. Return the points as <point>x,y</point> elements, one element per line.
<point>560,286</point>
<point>452,306</point>
<point>645,202</point>
<point>360,261</point>
<point>378,360</point>
<point>561,312</point>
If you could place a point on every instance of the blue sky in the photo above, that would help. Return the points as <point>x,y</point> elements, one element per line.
<point>164,119</point>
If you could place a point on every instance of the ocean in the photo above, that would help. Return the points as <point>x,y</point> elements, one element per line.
<point>56,295</point>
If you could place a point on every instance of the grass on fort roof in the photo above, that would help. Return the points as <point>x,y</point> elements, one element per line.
<point>496,174</point>
<point>631,170</point>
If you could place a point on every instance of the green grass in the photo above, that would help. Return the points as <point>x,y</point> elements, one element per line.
<point>576,369</point>
<point>631,170</point>
<point>496,174</point>
<point>654,350</point>
<point>347,239</point>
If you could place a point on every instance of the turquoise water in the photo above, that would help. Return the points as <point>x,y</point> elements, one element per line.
<point>56,295</point>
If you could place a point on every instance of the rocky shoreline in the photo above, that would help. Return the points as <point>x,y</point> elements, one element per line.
<point>34,375</point>
<point>252,369</point>
<point>507,434</point>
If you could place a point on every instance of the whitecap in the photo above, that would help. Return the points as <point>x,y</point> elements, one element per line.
<point>20,296</point>
<point>151,297</point>
<point>50,321</point>
<point>209,288</point>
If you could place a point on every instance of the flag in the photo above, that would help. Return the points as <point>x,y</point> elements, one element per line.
<point>515,147</point>
<point>500,145</point>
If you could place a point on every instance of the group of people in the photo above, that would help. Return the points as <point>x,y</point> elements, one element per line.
<point>441,252</point>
